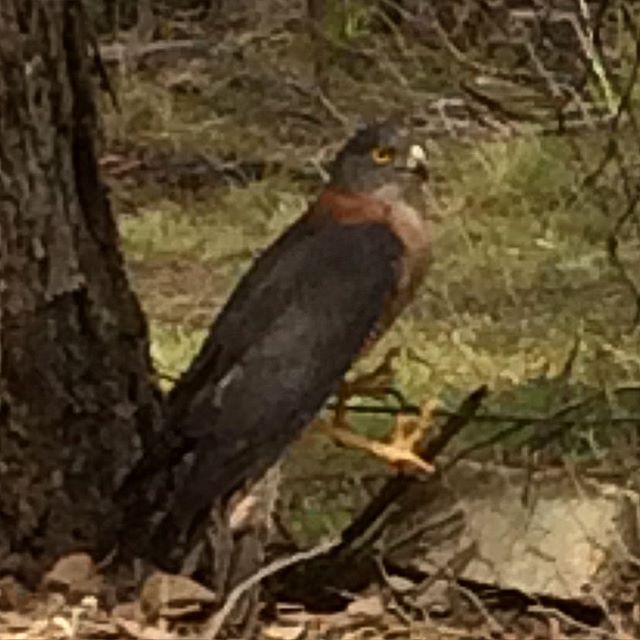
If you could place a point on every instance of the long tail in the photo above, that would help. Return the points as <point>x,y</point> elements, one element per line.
<point>210,483</point>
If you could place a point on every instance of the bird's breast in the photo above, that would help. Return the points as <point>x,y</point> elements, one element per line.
<point>413,231</point>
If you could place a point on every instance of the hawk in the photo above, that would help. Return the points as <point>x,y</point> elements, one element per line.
<point>307,308</point>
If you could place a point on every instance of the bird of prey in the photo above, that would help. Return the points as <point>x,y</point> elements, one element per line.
<point>307,308</point>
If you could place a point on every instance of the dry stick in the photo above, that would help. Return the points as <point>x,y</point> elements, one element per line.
<point>328,569</point>
<point>552,418</point>
<point>518,420</point>
<point>624,106</point>
<point>476,601</point>
<point>617,263</point>
<point>395,487</point>
<point>456,53</point>
<point>493,418</point>
<point>625,102</point>
<point>114,53</point>
<point>587,42</point>
<point>572,622</point>
<point>213,626</point>
<point>495,106</point>
<point>633,195</point>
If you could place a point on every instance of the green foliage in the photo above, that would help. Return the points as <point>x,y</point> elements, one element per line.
<point>348,20</point>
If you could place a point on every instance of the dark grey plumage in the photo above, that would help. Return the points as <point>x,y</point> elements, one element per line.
<point>286,337</point>
<point>310,315</point>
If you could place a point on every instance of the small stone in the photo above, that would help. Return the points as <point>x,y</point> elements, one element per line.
<point>68,571</point>
<point>284,631</point>
<point>173,596</point>
<point>370,607</point>
<point>569,536</point>
<point>75,576</point>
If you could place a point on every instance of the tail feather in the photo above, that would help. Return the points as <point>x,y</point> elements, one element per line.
<point>216,475</point>
<point>166,453</point>
<point>203,488</point>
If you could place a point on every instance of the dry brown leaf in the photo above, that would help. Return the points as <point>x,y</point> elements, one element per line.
<point>135,630</point>
<point>173,596</point>
<point>284,632</point>
<point>74,574</point>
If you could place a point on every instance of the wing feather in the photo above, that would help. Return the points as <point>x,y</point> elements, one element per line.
<point>323,298</point>
<point>276,352</point>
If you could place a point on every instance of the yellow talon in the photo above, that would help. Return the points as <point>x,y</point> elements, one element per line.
<point>399,451</point>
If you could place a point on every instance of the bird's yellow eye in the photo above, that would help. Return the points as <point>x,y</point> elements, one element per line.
<point>382,155</point>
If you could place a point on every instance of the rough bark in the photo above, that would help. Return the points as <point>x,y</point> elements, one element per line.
<point>76,397</point>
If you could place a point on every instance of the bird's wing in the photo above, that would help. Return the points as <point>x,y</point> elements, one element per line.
<point>250,309</point>
<point>322,274</point>
<point>246,315</point>
<point>327,294</point>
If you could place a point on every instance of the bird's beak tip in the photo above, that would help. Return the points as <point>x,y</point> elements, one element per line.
<point>417,160</point>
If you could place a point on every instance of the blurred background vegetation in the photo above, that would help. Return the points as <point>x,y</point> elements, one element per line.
<point>229,110</point>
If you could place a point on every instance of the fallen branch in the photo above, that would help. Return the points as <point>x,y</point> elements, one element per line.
<point>398,485</point>
<point>350,565</point>
<point>214,625</point>
<point>117,52</point>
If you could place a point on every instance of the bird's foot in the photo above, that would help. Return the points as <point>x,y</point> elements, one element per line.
<point>399,452</point>
<point>406,436</point>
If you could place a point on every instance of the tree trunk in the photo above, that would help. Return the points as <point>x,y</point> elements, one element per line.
<point>76,396</point>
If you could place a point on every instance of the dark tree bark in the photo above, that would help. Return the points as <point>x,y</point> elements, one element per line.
<point>76,396</point>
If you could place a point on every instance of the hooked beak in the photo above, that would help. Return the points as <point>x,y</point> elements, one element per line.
<point>416,161</point>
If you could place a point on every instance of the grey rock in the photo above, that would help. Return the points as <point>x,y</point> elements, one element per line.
<point>543,534</point>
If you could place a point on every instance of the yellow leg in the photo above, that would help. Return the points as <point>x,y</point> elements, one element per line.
<point>373,384</point>
<point>399,451</point>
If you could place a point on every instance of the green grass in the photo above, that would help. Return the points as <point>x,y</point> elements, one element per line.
<point>520,273</point>
<point>520,270</point>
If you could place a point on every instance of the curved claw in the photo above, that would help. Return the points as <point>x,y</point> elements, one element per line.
<point>397,453</point>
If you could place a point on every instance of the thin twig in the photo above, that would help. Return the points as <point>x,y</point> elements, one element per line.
<point>495,418</point>
<point>572,622</point>
<point>214,625</point>
<point>494,626</point>
<point>395,487</point>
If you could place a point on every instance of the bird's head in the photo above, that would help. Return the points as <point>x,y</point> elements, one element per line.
<point>379,156</point>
